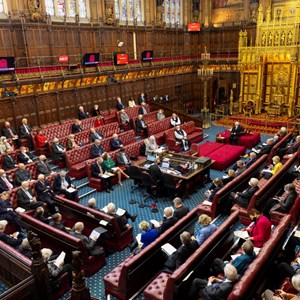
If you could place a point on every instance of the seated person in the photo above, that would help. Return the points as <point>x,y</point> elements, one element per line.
<point>143,109</point>
<point>4,144</point>
<point>282,204</point>
<point>229,177</point>
<point>92,204</point>
<point>40,215</point>
<point>243,198</point>
<point>110,166</point>
<point>115,142</point>
<point>62,184</point>
<point>141,98</point>
<point>217,185</point>
<point>240,167</point>
<point>7,212</point>
<point>43,166</point>
<point>206,229</point>
<point>251,159</point>
<point>175,121</point>
<point>82,114</point>
<point>56,271</point>
<point>214,288</point>
<point>121,219</point>
<point>25,131</point>
<point>180,210</point>
<point>181,138</point>
<point>241,262</point>
<point>235,133</point>
<point>71,143</point>
<point>11,133</point>
<point>148,235</point>
<point>143,147</point>
<point>96,149</point>
<point>124,118</point>
<point>151,146</point>
<point>95,135</point>
<point>168,222</point>
<point>282,133</point>
<point>179,257</point>
<point>22,174</point>
<point>99,172</point>
<point>96,111</point>
<point>120,104</point>
<point>14,239</point>
<point>123,159</point>
<point>76,127</point>
<point>290,148</point>
<point>160,115</point>
<point>155,172</point>
<point>41,141</point>
<point>45,193</point>
<point>24,248</point>
<point>26,197</point>
<point>58,223</point>
<point>90,244</point>
<point>141,126</point>
<point>131,102</point>
<point>58,150</point>
<point>99,121</point>
<point>272,169</point>
<point>8,162</point>
<point>266,149</point>
<point>6,183</point>
<point>25,156</point>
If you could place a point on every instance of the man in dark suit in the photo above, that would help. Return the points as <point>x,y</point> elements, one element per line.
<point>290,148</point>
<point>168,222</point>
<point>7,212</point>
<point>266,149</point>
<point>82,114</point>
<point>11,133</point>
<point>44,193</point>
<point>251,160</point>
<point>43,166</point>
<point>75,128</point>
<point>240,167</point>
<point>123,159</point>
<point>177,258</point>
<point>22,175</point>
<point>119,104</point>
<point>25,131</point>
<point>6,183</point>
<point>115,142</point>
<point>155,172</point>
<point>141,99</point>
<point>8,161</point>
<point>98,172</point>
<point>90,244</point>
<point>214,288</point>
<point>180,210</point>
<point>235,133</point>
<point>141,125</point>
<point>142,109</point>
<point>14,239</point>
<point>96,149</point>
<point>25,156</point>
<point>58,223</point>
<point>40,215</point>
<point>61,184</point>
<point>26,197</point>
<point>121,219</point>
<point>95,135</point>
<point>58,150</point>
<point>243,198</point>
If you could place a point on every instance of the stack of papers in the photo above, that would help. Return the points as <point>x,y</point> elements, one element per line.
<point>168,249</point>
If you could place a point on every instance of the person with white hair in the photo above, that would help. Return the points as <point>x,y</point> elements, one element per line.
<point>43,166</point>
<point>243,198</point>
<point>62,184</point>
<point>282,132</point>
<point>89,243</point>
<point>168,221</point>
<point>45,193</point>
<point>119,104</point>
<point>58,150</point>
<point>26,197</point>
<point>56,270</point>
<point>14,239</point>
<point>115,142</point>
<point>182,138</point>
<point>151,146</point>
<point>175,120</point>
<point>235,133</point>
<point>96,135</point>
<point>25,248</point>
<point>121,215</point>
<point>213,287</point>
<point>82,114</point>
<point>92,204</point>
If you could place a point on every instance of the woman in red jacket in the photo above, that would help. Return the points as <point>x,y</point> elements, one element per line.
<point>40,139</point>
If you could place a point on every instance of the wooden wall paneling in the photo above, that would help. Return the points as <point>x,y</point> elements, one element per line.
<point>20,47</point>
<point>25,107</point>
<point>68,104</point>
<point>87,41</point>
<point>86,97</point>
<point>73,41</point>
<point>6,46</point>
<point>113,91</point>
<point>59,40</point>
<point>110,44</point>
<point>139,87</point>
<point>100,96</point>
<point>7,112</point>
<point>47,106</point>
<point>126,91</point>
<point>150,87</point>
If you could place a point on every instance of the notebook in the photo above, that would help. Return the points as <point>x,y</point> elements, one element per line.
<point>165,165</point>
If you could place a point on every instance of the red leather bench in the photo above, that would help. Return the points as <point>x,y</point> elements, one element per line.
<point>169,286</point>
<point>267,189</point>
<point>118,240</point>
<point>238,183</point>
<point>248,287</point>
<point>158,129</point>
<point>136,271</point>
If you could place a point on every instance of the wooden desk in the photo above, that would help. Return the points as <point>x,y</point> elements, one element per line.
<point>177,158</point>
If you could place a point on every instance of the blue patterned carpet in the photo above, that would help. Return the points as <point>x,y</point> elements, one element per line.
<point>121,197</point>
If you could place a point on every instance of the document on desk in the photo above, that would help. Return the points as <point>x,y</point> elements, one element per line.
<point>241,234</point>
<point>155,223</point>
<point>120,212</point>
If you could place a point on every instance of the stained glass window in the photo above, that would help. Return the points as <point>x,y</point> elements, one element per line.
<point>129,10</point>
<point>67,8</point>
<point>172,10</point>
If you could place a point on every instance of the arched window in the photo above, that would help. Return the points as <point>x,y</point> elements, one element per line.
<point>68,8</point>
<point>129,10</point>
<point>172,11</point>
